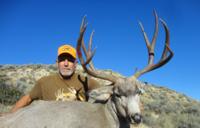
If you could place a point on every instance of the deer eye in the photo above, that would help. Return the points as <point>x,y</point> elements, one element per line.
<point>139,91</point>
<point>117,95</point>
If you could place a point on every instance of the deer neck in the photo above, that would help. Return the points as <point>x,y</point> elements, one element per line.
<point>112,113</point>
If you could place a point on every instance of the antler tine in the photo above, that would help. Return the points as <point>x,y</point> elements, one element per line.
<point>155,32</point>
<point>89,56</point>
<point>83,23</point>
<point>166,48</point>
<point>150,46</point>
<point>89,50</point>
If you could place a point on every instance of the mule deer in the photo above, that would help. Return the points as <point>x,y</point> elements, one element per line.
<point>119,103</point>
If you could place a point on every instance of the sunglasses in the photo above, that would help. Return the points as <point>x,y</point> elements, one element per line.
<point>64,57</point>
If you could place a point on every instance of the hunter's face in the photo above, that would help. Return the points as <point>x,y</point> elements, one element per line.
<point>66,65</point>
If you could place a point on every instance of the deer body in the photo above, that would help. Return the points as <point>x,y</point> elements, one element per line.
<point>115,113</point>
<point>54,114</point>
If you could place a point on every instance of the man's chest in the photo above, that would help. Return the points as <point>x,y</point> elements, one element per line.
<point>62,90</point>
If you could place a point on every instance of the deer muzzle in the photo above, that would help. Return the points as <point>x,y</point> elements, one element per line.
<point>136,118</point>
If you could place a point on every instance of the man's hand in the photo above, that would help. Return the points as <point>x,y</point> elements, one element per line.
<point>24,101</point>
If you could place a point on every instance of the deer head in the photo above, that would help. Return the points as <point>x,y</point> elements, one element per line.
<point>125,91</point>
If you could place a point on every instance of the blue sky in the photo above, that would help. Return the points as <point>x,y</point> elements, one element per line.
<point>32,30</point>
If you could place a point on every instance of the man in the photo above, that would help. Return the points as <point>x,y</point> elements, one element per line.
<point>63,85</point>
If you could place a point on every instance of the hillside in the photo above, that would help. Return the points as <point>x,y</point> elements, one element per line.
<point>163,108</point>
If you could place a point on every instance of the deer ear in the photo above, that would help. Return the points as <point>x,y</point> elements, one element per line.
<point>100,95</point>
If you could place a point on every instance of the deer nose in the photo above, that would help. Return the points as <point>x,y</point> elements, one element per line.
<point>137,118</point>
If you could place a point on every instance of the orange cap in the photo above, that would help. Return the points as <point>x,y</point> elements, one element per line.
<point>67,49</point>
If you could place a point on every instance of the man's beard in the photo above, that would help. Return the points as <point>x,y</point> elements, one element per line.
<point>66,72</point>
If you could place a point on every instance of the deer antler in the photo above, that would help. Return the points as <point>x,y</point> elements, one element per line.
<point>89,54</point>
<point>167,52</point>
<point>166,55</point>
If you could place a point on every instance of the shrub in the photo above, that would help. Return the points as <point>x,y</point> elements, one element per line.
<point>9,96</point>
<point>192,109</point>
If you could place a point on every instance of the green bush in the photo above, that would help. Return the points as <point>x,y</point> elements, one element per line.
<point>9,96</point>
<point>192,109</point>
<point>187,121</point>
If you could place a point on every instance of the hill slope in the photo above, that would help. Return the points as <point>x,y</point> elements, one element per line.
<point>163,108</point>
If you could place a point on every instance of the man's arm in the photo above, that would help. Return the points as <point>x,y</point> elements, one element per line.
<point>22,102</point>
